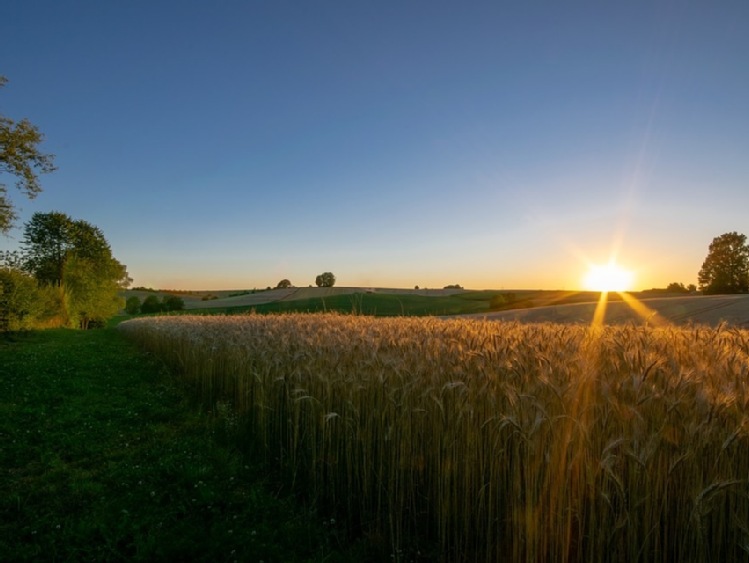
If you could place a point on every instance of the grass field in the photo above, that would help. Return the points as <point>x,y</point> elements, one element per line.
<point>492,441</point>
<point>104,458</point>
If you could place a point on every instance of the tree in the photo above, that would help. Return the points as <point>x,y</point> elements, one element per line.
<point>20,157</point>
<point>726,268</point>
<point>326,279</point>
<point>151,304</point>
<point>283,284</point>
<point>675,287</point>
<point>132,305</point>
<point>92,291</point>
<point>172,303</point>
<point>51,238</point>
<point>74,257</point>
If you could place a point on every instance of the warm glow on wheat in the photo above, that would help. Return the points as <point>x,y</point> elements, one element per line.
<point>488,441</point>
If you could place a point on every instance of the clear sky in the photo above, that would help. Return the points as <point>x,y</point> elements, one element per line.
<point>492,144</point>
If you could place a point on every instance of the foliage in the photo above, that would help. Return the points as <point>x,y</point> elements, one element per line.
<point>726,268</point>
<point>105,458</point>
<point>151,304</point>
<point>283,284</point>
<point>92,290</point>
<point>20,157</point>
<point>132,305</point>
<point>676,287</point>
<point>75,257</point>
<point>172,303</point>
<point>51,238</point>
<point>19,300</point>
<point>326,279</point>
<point>454,286</point>
<point>494,441</point>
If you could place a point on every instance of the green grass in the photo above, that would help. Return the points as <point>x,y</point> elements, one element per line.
<point>104,458</point>
<point>374,304</point>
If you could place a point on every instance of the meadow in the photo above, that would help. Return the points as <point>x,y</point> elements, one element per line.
<point>466,440</point>
<point>106,457</point>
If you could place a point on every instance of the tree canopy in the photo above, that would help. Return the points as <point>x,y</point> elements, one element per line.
<point>326,279</point>
<point>726,268</point>
<point>20,157</point>
<point>74,257</point>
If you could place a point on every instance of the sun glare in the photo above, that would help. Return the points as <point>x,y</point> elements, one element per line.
<point>609,277</point>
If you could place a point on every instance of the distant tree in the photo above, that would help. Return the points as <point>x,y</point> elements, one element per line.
<point>726,268</point>
<point>691,288</point>
<point>326,279</point>
<point>416,287</point>
<point>453,286</point>
<point>132,305</point>
<point>172,303</point>
<point>20,157</point>
<point>675,287</point>
<point>151,304</point>
<point>283,284</point>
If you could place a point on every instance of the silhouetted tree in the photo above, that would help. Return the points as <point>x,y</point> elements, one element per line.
<point>726,268</point>
<point>326,279</point>
<point>283,284</point>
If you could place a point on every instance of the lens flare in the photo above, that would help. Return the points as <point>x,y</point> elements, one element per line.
<point>609,277</point>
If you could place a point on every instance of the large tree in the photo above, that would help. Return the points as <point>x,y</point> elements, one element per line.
<point>726,268</point>
<point>20,157</point>
<point>74,256</point>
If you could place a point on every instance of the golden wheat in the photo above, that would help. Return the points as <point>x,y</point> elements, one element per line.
<point>499,442</point>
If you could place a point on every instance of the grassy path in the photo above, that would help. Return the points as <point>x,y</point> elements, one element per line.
<point>103,458</point>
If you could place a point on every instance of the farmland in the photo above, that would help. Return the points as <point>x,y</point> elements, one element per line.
<point>474,440</point>
<point>523,305</point>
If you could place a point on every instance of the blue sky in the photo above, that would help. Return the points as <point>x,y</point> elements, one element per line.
<point>493,144</point>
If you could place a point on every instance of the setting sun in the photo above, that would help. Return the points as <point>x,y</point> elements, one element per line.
<point>609,277</point>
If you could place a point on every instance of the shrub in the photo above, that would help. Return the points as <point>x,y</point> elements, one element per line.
<point>132,305</point>
<point>172,303</point>
<point>151,304</point>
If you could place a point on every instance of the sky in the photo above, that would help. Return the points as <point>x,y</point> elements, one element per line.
<point>232,144</point>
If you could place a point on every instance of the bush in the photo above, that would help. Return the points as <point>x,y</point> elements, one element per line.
<point>132,305</point>
<point>19,300</point>
<point>151,304</point>
<point>173,303</point>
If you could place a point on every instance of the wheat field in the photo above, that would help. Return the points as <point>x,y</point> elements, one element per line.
<point>491,441</point>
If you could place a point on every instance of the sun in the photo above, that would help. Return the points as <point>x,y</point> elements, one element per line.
<point>609,277</point>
